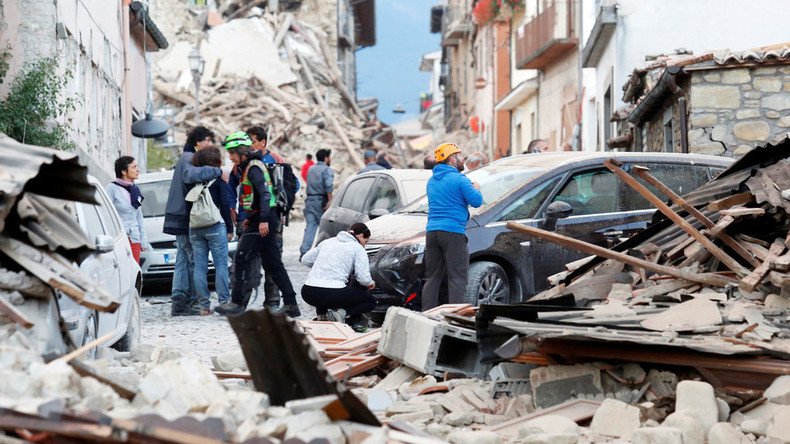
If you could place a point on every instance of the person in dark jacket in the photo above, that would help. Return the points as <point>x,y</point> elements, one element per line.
<point>185,175</point>
<point>450,193</point>
<point>212,239</point>
<point>256,196</point>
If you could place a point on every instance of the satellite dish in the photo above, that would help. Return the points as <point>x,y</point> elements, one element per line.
<point>149,128</point>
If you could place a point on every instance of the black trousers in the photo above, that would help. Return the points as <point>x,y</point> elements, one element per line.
<point>446,256</point>
<point>246,269</point>
<point>354,299</point>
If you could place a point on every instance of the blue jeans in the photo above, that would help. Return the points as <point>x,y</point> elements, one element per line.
<point>313,210</point>
<point>204,240</point>
<point>183,289</point>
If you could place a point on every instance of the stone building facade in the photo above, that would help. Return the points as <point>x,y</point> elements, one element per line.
<point>733,103</point>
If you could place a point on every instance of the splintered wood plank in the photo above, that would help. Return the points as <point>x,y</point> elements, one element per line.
<point>742,211</point>
<point>348,366</point>
<point>327,331</point>
<point>714,249</point>
<point>352,344</point>
<point>11,312</point>
<point>576,410</point>
<point>451,308</point>
<point>731,201</point>
<point>750,282</point>
<point>585,247</point>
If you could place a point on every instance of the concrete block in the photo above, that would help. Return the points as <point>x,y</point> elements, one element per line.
<point>657,435</point>
<point>550,438</point>
<point>474,437</point>
<point>510,370</point>
<point>549,424</point>
<point>232,361</point>
<point>308,404</point>
<point>454,402</point>
<point>757,427</point>
<point>556,384</point>
<point>96,396</point>
<point>185,384</point>
<point>724,410</point>
<point>616,419</point>
<point>698,397</point>
<point>458,419</point>
<point>762,412</point>
<point>304,421</point>
<point>779,390</point>
<point>330,432</point>
<point>429,346</point>
<point>725,433</point>
<point>689,425</point>
<point>142,353</point>
<point>519,406</point>
<point>779,427</point>
<point>396,378</point>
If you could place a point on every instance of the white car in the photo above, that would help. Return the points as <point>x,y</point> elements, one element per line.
<point>158,264</point>
<point>114,268</point>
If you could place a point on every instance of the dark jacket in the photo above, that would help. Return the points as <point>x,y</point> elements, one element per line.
<point>261,212</point>
<point>185,176</point>
<point>219,196</point>
<point>449,195</point>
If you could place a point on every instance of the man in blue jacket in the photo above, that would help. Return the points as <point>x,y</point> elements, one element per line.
<point>185,175</point>
<point>450,193</point>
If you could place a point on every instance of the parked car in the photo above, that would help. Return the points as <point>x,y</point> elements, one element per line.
<point>114,268</point>
<point>158,264</point>
<point>370,195</point>
<point>507,266</point>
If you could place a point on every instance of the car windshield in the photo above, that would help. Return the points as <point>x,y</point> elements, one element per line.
<point>496,181</point>
<point>413,189</point>
<point>155,197</point>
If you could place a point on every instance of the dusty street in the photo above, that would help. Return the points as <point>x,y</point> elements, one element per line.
<point>210,335</point>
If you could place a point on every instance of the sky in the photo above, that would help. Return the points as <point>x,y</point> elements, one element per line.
<point>389,70</point>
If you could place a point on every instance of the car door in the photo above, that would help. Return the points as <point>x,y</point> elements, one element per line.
<point>121,274</point>
<point>352,206</point>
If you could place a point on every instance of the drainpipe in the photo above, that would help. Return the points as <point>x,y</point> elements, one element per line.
<point>681,95</point>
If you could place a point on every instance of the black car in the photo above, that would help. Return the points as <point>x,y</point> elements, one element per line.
<point>370,195</point>
<point>507,266</point>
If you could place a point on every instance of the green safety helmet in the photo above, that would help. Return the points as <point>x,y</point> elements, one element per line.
<point>237,139</point>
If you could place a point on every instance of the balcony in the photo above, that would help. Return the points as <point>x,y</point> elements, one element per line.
<point>455,26</point>
<point>545,38</point>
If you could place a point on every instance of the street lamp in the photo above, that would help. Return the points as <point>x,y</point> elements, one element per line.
<point>196,65</point>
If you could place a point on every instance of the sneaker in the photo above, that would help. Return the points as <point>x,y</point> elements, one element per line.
<point>229,308</point>
<point>205,311</point>
<point>181,310</point>
<point>271,305</point>
<point>290,310</point>
<point>336,315</point>
<point>360,325</point>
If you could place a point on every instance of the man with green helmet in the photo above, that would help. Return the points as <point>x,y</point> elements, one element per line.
<point>257,198</point>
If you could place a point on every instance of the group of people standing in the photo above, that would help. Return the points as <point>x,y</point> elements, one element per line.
<point>339,283</point>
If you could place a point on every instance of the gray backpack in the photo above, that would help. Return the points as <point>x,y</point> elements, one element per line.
<point>204,213</point>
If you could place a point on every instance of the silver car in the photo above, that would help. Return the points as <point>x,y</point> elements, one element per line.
<point>114,268</point>
<point>158,264</point>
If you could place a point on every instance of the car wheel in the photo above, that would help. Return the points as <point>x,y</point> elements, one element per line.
<point>89,335</point>
<point>487,284</point>
<point>132,336</point>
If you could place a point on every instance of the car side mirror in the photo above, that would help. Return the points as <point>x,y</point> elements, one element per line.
<point>556,211</point>
<point>378,212</point>
<point>104,243</point>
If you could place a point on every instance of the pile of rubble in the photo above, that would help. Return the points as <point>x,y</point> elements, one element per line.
<point>271,69</point>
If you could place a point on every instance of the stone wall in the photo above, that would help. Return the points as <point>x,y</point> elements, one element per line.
<point>734,110</point>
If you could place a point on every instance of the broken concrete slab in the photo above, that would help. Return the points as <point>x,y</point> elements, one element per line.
<point>757,427</point>
<point>725,433</point>
<point>550,424</point>
<point>232,361</point>
<point>697,397</point>
<point>688,423</point>
<point>779,390</point>
<point>550,438</point>
<point>779,427</point>
<point>555,384</point>
<point>615,419</point>
<point>474,437</point>
<point>657,435</point>
<point>686,316</point>
<point>510,370</point>
<point>458,419</point>
<point>396,378</point>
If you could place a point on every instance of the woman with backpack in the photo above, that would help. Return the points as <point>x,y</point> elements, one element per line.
<point>211,238</point>
<point>127,199</point>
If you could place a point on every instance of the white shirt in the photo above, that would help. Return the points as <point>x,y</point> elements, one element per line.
<point>334,259</point>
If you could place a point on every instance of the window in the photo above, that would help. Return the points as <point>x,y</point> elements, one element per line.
<point>607,118</point>
<point>109,222</point>
<point>591,192</point>
<point>356,194</point>
<point>155,200</point>
<point>669,135</point>
<point>93,226</point>
<point>528,204</point>
<point>384,197</point>
<point>681,179</point>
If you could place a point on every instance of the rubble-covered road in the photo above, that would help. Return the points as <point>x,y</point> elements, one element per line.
<point>211,335</point>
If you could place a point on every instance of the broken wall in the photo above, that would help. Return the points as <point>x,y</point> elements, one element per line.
<point>735,110</point>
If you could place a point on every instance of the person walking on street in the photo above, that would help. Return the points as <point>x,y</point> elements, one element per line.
<point>308,162</point>
<point>327,287</point>
<point>127,199</point>
<point>320,184</point>
<point>258,232</point>
<point>185,175</point>
<point>212,239</point>
<point>450,193</point>
<point>370,163</point>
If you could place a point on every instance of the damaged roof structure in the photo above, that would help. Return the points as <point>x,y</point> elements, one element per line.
<point>721,103</point>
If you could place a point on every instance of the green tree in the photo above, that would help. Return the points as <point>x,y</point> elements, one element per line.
<point>36,99</point>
